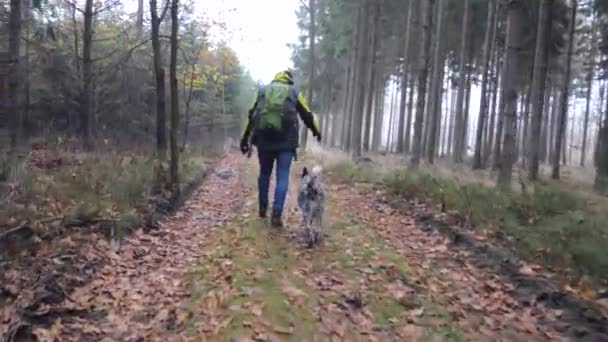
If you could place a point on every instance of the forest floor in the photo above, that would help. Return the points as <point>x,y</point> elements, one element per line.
<point>214,271</point>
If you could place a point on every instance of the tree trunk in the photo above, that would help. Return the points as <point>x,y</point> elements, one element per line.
<point>87,74</point>
<point>345,109</point>
<point>402,145</point>
<point>543,41</point>
<point>452,122</point>
<point>423,65</point>
<point>590,76</point>
<point>391,117</point>
<point>434,113</point>
<point>516,19</point>
<point>410,113</point>
<point>311,70</point>
<point>459,129</point>
<point>140,19</point>
<point>378,112</point>
<point>553,126</point>
<point>371,71</point>
<point>545,124</point>
<point>486,56</point>
<point>360,85</point>
<point>561,129</point>
<point>15,72</point>
<point>601,173</point>
<point>446,116</point>
<point>174,170</point>
<point>159,72</point>
<point>599,123</point>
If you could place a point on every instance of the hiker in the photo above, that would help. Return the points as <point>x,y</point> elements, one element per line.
<point>273,129</point>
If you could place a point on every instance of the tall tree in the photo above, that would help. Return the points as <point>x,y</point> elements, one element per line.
<point>423,70</point>
<point>87,75</point>
<point>485,95</point>
<point>14,73</point>
<point>159,72</point>
<point>589,81</point>
<point>459,130</point>
<point>140,18</point>
<point>361,83</point>
<point>543,37</point>
<point>371,72</point>
<point>403,141</point>
<point>436,84</point>
<point>311,71</point>
<point>565,94</point>
<point>174,169</point>
<point>516,19</point>
<point>601,156</point>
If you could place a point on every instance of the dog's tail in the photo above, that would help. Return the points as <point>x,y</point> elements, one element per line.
<point>316,170</point>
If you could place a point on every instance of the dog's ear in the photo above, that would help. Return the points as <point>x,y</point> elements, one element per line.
<point>304,172</point>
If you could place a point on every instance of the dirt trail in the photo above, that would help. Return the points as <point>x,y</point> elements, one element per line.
<point>216,272</point>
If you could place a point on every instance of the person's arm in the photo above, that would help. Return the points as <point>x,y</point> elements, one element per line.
<point>249,127</point>
<point>307,116</point>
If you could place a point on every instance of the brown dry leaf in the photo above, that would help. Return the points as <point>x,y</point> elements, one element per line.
<point>210,304</point>
<point>284,330</point>
<point>411,332</point>
<point>257,309</point>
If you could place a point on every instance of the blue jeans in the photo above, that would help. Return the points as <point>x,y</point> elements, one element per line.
<point>267,159</point>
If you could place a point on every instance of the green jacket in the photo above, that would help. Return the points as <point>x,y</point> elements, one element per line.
<point>292,140</point>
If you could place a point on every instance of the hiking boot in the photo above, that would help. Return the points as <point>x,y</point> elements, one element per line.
<point>275,220</point>
<point>262,212</point>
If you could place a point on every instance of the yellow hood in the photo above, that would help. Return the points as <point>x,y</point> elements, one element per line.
<point>282,77</point>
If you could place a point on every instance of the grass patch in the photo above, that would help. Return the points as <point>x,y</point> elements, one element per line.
<point>83,186</point>
<point>545,223</point>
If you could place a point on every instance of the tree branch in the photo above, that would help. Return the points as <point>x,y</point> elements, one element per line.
<point>116,2</point>
<point>304,5</point>
<point>73,5</point>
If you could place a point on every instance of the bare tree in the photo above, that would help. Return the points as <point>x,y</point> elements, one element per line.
<point>159,72</point>
<point>436,84</point>
<point>459,129</point>
<point>485,95</point>
<point>87,74</point>
<point>565,93</point>
<point>402,146</point>
<point>423,65</point>
<point>174,169</point>
<point>543,37</point>
<point>516,19</point>
<point>14,73</point>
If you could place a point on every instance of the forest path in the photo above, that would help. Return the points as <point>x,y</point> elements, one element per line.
<point>216,272</point>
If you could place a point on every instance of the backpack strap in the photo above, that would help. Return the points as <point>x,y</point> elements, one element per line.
<point>260,102</point>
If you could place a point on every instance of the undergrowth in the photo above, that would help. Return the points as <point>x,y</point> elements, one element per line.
<point>53,185</point>
<point>544,223</point>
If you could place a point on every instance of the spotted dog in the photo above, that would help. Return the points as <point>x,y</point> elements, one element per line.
<point>311,200</point>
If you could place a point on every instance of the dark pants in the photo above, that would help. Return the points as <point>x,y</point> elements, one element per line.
<point>267,160</point>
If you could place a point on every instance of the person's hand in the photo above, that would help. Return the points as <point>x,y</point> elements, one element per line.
<point>317,135</point>
<point>245,146</point>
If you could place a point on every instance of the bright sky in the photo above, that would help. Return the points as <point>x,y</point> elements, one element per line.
<point>258,30</point>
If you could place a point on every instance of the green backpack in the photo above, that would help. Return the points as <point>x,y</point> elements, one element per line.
<point>275,111</point>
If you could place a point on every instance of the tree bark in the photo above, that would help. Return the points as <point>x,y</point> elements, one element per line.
<point>402,145</point>
<point>140,19</point>
<point>459,124</point>
<point>561,129</point>
<point>516,19</point>
<point>311,70</point>
<point>543,39</point>
<point>486,56</point>
<point>371,72</point>
<point>360,85</point>
<point>87,74</point>
<point>159,72</point>
<point>14,80</point>
<point>434,113</point>
<point>545,123</point>
<point>590,75</point>
<point>174,169</point>
<point>423,65</point>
